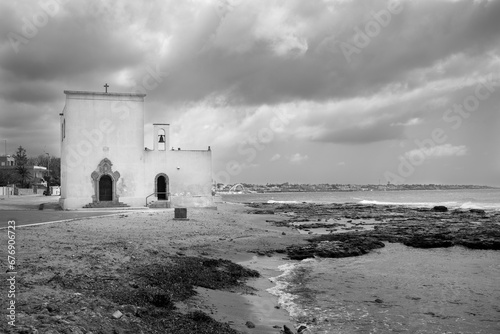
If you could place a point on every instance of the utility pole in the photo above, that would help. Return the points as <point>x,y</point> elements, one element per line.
<point>48,173</point>
<point>48,166</point>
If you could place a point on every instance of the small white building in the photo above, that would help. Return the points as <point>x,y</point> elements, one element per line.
<point>37,175</point>
<point>104,161</point>
<point>7,161</point>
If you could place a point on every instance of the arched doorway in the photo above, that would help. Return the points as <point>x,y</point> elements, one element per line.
<point>105,188</point>
<point>104,182</point>
<point>162,187</point>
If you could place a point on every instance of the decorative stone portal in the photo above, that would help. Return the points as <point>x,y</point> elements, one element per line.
<point>161,187</point>
<point>104,181</point>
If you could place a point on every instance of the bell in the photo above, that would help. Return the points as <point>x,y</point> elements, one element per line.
<point>162,139</point>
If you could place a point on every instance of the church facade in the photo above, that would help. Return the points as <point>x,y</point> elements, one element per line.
<point>104,161</point>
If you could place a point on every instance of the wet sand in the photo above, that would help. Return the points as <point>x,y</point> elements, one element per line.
<point>79,250</point>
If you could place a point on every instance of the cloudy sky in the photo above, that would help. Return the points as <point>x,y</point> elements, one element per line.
<point>317,91</point>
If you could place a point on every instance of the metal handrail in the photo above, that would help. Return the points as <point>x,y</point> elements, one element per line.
<point>155,193</point>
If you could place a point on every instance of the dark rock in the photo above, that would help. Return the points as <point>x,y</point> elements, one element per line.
<point>430,242</point>
<point>130,309</point>
<point>323,247</point>
<point>478,211</point>
<point>440,208</point>
<point>262,212</point>
<point>250,324</point>
<point>161,300</point>
<point>53,308</point>
<point>200,316</point>
<point>287,330</point>
<point>481,243</point>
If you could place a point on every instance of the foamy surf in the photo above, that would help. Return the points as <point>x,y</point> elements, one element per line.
<point>285,202</point>
<point>451,205</point>
<point>286,299</point>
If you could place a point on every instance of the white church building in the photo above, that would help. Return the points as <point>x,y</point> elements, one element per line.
<point>104,161</point>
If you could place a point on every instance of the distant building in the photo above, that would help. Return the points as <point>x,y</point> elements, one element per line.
<point>7,161</point>
<point>38,174</point>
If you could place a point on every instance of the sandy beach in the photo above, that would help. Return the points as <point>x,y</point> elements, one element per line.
<point>106,248</point>
<point>142,271</point>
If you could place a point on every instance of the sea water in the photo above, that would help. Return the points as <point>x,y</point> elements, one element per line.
<point>395,289</point>
<point>488,199</point>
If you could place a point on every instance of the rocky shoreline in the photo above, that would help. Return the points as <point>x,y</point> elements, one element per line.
<point>356,229</point>
<point>138,272</point>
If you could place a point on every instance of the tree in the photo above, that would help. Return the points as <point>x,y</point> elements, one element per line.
<point>55,171</point>
<point>53,165</point>
<point>8,176</point>
<point>22,166</point>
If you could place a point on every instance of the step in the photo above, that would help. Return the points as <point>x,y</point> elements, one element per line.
<point>159,204</point>
<point>106,205</point>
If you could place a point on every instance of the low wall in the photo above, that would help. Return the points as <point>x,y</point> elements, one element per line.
<point>6,191</point>
<point>22,191</point>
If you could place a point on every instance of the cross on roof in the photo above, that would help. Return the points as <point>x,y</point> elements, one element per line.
<point>106,86</point>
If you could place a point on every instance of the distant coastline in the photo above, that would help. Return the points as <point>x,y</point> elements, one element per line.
<point>287,187</point>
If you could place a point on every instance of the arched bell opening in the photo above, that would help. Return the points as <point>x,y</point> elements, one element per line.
<point>162,144</point>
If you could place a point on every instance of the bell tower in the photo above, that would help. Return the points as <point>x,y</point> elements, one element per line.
<point>161,136</point>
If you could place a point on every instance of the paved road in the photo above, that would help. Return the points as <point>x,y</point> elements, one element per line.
<point>27,217</point>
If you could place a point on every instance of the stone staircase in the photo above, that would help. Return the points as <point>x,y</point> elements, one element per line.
<point>106,204</point>
<point>159,204</point>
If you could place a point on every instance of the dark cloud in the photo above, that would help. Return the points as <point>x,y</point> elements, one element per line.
<point>362,134</point>
<point>69,46</point>
<point>242,60</point>
<point>423,34</point>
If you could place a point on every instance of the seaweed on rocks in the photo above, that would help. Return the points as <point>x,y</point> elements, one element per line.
<point>334,246</point>
<point>146,294</point>
<point>180,277</point>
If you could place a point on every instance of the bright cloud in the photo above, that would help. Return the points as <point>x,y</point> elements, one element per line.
<point>298,158</point>
<point>446,150</point>
<point>275,157</point>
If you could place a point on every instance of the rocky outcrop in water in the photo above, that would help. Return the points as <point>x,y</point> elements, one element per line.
<point>414,227</point>
<point>333,247</point>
